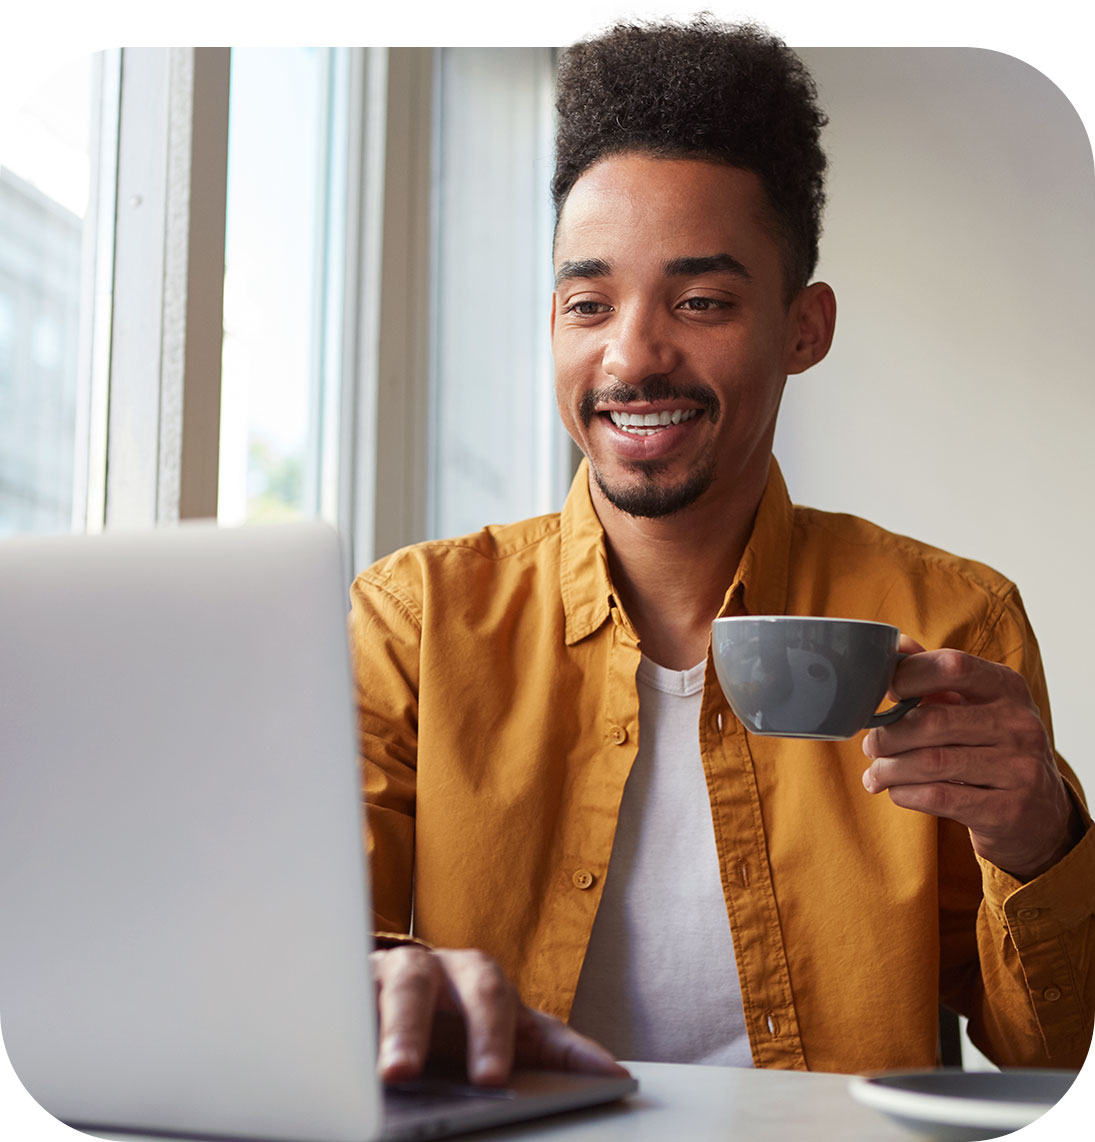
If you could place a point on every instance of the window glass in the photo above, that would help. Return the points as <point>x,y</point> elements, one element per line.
<point>276,292</point>
<point>44,182</point>
<point>498,450</point>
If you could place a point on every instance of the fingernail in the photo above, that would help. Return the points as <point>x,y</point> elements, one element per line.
<point>489,1070</point>
<point>396,1055</point>
<point>868,780</point>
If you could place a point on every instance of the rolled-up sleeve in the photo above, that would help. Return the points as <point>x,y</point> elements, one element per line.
<point>1033,1000</point>
<point>385,633</point>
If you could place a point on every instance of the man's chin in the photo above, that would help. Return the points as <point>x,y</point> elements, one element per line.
<point>649,497</point>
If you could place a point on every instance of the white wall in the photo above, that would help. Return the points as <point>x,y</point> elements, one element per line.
<point>957,403</point>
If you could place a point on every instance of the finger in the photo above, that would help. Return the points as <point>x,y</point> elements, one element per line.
<point>971,805</point>
<point>543,1041</point>
<point>906,644</point>
<point>489,1004</point>
<point>975,679</point>
<point>1021,835</point>
<point>936,724</point>
<point>949,737</point>
<point>977,768</point>
<point>408,980</point>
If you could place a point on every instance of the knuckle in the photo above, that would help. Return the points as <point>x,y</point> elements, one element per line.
<point>478,975</point>
<point>1014,683</point>
<point>468,963</point>
<point>1032,734</point>
<point>953,666</point>
<point>933,720</point>
<point>1028,772</point>
<point>417,983</point>
<point>1024,727</point>
<point>492,989</point>
<point>480,960</point>
<point>935,762</point>
<point>410,969</point>
<point>939,799</point>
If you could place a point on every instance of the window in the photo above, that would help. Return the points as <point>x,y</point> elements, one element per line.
<point>498,450</point>
<point>45,176</point>
<point>280,378</point>
<point>261,300</point>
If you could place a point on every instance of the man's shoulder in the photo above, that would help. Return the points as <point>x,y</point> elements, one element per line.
<point>481,559</point>
<point>888,561</point>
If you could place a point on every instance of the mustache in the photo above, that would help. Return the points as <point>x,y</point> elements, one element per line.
<point>657,387</point>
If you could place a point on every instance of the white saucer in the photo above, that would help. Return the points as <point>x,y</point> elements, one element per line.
<point>962,1106</point>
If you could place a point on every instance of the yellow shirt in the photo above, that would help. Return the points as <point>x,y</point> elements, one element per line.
<point>498,723</point>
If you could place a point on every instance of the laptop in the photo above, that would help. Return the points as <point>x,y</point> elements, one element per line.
<point>185,939</point>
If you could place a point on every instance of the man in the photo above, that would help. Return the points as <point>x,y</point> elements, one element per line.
<point>552,773</point>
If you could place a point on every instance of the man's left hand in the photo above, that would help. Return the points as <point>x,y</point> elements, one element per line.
<point>975,750</point>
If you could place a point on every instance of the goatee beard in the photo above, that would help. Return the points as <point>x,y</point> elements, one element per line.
<point>652,500</point>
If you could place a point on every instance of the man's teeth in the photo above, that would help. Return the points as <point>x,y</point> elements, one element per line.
<point>645,423</point>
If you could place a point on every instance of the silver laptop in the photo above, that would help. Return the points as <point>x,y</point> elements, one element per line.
<point>183,892</point>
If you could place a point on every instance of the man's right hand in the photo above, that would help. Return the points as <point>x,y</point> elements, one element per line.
<point>460,1004</point>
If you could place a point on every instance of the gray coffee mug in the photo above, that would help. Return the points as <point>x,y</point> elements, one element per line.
<point>795,676</point>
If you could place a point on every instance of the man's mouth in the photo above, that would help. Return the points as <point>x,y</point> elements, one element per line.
<point>647,423</point>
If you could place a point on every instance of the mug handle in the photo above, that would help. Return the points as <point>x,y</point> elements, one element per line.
<point>885,717</point>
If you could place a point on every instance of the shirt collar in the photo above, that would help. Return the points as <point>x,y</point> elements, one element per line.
<point>583,572</point>
<point>758,587</point>
<point>762,575</point>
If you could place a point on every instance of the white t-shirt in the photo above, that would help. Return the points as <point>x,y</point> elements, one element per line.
<point>659,982</point>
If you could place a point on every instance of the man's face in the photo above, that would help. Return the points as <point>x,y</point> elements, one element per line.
<point>670,330</point>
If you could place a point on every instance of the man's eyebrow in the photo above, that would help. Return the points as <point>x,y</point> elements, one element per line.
<point>691,267</point>
<point>582,268</point>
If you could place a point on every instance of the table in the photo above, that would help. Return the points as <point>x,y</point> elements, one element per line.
<point>679,1103</point>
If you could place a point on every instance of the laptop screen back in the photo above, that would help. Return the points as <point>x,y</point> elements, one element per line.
<point>180,834</point>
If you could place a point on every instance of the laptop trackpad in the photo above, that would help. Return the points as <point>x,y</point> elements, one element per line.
<point>442,1104</point>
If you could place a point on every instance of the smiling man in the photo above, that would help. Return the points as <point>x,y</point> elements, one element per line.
<point>552,775</point>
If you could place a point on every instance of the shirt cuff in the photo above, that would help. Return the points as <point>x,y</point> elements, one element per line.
<point>1059,900</point>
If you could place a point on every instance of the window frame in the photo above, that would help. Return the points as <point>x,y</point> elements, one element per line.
<point>149,442</point>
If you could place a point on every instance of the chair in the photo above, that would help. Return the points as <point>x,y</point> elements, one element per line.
<point>950,1038</point>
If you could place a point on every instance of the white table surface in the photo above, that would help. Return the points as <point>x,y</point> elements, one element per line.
<point>678,1103</point>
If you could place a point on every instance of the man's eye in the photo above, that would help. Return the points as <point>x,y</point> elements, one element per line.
<point>587,308</point>
<point>703,304</point>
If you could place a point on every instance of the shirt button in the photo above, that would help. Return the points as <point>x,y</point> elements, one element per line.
<point>1051,994</point>
<point>618,734</point>
<point>582,879</point>
<point>1028,913</point>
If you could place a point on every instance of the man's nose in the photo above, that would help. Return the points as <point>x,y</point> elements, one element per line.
<point>639,346</point>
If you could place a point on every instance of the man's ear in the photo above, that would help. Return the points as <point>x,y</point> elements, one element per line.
<point>552,326</point>
<point>811,321</point>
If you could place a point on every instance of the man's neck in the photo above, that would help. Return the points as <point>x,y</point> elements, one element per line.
<point>672,574</point>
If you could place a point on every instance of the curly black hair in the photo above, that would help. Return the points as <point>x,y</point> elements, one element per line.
<point>703,89</point>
